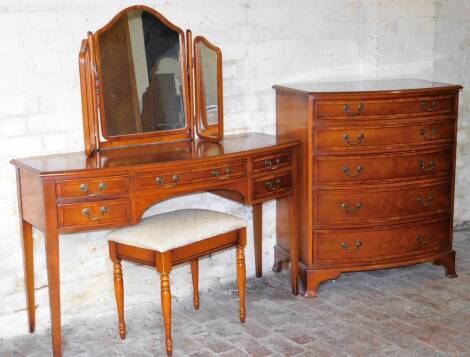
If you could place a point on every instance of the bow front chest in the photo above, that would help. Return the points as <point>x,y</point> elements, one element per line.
<point>376,174</point>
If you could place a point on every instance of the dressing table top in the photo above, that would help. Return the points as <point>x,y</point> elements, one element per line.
<point>231,145</point>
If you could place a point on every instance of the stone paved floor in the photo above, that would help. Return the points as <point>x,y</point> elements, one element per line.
<point>412,311</point>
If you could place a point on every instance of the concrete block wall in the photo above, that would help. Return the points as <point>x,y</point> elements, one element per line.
<point>451,64</point>
<point>263,42</point>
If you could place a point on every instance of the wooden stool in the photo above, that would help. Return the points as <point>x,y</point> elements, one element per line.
<point>172,238</point>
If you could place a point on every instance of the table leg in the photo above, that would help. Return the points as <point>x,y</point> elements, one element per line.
<point>258,238</point>
<point>294,244</point>
<point>53,276</point>
<point>28,261</point>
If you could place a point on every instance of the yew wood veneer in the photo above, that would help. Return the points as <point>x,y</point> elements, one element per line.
<point>376,174</point>
<point>73,192</point>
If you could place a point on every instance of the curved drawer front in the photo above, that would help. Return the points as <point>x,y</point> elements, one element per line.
<point>346,109</point>
<point>369,246</point>
<point>360,207</point>
<point>350,169</point>
<point>168,179</point>
<point>369,137</point>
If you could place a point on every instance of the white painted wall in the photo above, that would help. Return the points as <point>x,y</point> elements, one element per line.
<point>263,42</point>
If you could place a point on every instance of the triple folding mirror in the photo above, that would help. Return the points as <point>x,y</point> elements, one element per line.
<point>140,83</point>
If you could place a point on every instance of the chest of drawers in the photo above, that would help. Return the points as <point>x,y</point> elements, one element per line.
<point>376,174</point>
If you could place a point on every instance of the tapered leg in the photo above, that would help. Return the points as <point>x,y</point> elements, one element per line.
<point>119,293</point>
<point>241,275</point>
<point>166,307</point>
<point>294,244</point>
<point>28,261</point>
<point>258,238</point>
<point>195,277</point>
<point>53,277</point>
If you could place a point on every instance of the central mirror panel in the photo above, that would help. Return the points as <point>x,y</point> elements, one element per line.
<point>139,64</point>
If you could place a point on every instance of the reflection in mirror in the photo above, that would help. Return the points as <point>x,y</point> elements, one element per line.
<point>209,83</point>
<point>209,96</point>
<point>141,71</point>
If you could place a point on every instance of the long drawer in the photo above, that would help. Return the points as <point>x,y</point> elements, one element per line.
<point>362,207</point>
<point>350,169</point>
<point>168,179</point>
<point>379,244</point>
<point>352,138</point>
<point>348,109</point>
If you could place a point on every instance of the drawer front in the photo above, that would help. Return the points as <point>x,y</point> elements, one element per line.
<point>267,163</point>
<point>272,186</point>
<point>358,138</point>
<point>92,214</point>
<point>350,169</point>
<point>369,246</point>
<point>114,185</point>
<point>170,179</point>
<point>361,207</point>
<point>355,109</point>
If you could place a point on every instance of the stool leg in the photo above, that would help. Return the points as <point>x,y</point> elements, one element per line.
<point>195,276</point>
<point>241,275</point>
<point>166,309</point>
<point>119,293</point>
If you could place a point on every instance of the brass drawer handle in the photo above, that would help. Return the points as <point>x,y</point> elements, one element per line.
<point>429,106</point>
<point>352,210</point>
<point>102,186</point>
<point>424,240</point>
<point>347,109</point>
<point>270,165</point>
<point>425,203</point>
<point>176,178</point>
<point>273,186</point>
<point>347,171</point>
<point>431,166</point>
<point>214,173</point>
<point>360,139</point>
<point>86,213</point>
<point>429,137</point>
<point>84,187</point>
<point>159,180</point>
<point>228,171</point>
<point>345,246</point>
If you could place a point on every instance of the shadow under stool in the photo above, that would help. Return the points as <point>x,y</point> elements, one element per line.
<point>172,238</point>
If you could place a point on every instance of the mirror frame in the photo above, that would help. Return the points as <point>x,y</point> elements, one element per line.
<point>206,131</point>
<point>94,117</point>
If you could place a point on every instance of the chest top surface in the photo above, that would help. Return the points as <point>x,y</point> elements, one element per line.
<point>387,85</point>
<point>150,155</point>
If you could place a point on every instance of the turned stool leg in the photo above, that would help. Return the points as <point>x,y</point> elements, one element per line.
<point>241,275</point>
<point>166,309</point>
<point>195,276</point>
<point>119,293</point>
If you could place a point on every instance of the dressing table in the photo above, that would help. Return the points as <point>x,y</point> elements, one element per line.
<point>141,103</point>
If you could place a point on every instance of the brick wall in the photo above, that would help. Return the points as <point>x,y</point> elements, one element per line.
<point>263,42</point>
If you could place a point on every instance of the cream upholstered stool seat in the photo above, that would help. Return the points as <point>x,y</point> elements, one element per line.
<point>173,238</point>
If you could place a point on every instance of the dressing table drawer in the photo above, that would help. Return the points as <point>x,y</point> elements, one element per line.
<point>108,213</point>
<point>349,109</point>
<point>167,179</point>
<point>272,186</point>
<point>102,186</point>
<point>271,162</point>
